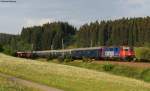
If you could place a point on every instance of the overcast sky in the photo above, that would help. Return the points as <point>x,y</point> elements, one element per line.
<point>14,16</point>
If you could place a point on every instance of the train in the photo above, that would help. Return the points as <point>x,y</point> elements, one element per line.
<point>122,53</point>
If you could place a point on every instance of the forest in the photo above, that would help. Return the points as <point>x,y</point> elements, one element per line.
<point>58,35</point>
<point>121,32</point>
<point>49,36</point>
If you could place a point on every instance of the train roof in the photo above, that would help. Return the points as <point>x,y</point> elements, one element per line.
<point>66,50</point>
<point>75,49</point>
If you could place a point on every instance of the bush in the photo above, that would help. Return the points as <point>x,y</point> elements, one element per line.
<point>126,71</point>
<point>65,58</point>
<point>1,48</point>
<point>50,57</point>
<point>146,75</point>
<point>85,59</point>
<point>143,54</point>
<point>108,67</point>
<point>68,58</point>
<point>61,59</point>
<point>8,50</point>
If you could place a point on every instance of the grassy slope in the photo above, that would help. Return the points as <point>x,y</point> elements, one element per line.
<point>131,70</point>
<point>8,85</point>
<point>67,77</point>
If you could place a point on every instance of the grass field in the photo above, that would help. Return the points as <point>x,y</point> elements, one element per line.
<point>68,78</point>
<point>139,71</point>
<point>9,85</point>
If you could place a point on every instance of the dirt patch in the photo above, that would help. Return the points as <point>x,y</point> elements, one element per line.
<point>41,87</point>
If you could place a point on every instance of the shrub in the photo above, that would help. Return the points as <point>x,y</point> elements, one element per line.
<point>108,67</point>
<point>126,71</point>
<point>85,59</point>
<point>50,57</point>
<point>65,58</point>
<point>146,75</point>
<point>68,58</point>
<point>61,59</point>
<point>1,48</point>
<point>143,53</point>
<point>8,50</point>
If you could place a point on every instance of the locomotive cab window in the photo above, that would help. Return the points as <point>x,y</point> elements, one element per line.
<point>116,49</point>
<point>111,49</point>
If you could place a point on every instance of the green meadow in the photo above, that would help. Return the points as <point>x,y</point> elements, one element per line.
<point>67,78</point>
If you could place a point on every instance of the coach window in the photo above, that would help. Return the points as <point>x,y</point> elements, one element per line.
<point>117,49</point>
<point>111,49</point>
<point>126,49</point>
<point>107,49</point>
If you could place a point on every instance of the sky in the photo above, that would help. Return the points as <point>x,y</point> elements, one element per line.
<point>25,13</point>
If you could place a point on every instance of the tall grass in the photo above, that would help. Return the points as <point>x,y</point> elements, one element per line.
<point>132,72</point>
<point>68,78</point>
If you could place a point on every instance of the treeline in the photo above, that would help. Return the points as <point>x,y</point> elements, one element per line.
<point>123,32</point>
<point>55,35</point>
<point>9,44</point>
<point>6,38</point>
<point>5,42</point>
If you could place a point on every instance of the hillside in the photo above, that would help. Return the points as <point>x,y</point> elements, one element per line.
<point>68,78</point>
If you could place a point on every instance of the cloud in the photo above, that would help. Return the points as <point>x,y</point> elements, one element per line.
<point>28,22</point>
<point>76,12</point>
<point>134,8</point>
<point>37,22</point>
<point>136,1</point>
